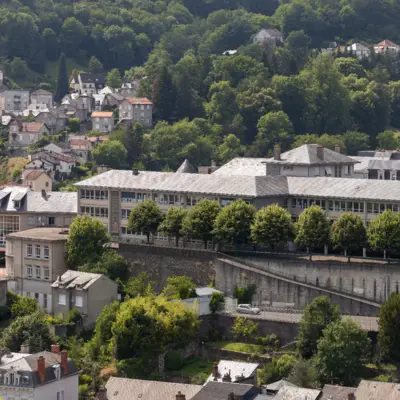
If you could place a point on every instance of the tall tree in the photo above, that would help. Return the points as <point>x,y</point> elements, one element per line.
<point>133,141</point>
<point>51,43</point>
<point>164,96</point>
<point>111,153</point>
<point>312,229</point>
<point>62,79</point>
<point>199,222</point>
<point>316,317</point>
<point>348,233</point>
<point>233,222</point>
<point>172,224</point>
<point>146,218</point>
<point>342,350</point>
<point>387,141</point>
<point>272,226</point>
<point>389,327</point>
<point>383,232</point>
<point>86,240</point>
<point>95,65</point>
<point>230,148</point>
<point>113,79</point>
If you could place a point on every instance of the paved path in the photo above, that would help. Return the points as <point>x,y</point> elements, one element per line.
<point>366,323</point>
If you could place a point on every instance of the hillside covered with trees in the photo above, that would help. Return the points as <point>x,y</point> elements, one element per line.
<point>213,106</point>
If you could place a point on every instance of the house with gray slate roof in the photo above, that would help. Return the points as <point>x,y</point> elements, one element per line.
<point>45,376</point>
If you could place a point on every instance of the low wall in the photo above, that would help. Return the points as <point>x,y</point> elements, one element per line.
<point>162,262</point>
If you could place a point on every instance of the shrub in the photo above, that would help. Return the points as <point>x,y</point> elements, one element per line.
<point>245,295</point>
<point>244,329</point>
<point>217,302</point>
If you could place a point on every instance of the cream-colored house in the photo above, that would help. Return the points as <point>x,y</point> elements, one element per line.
<point>34,259</point>
<point>87,292</point>
<point>37,180</point>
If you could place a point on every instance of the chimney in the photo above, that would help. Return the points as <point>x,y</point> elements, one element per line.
<point>351,396</point>
<point>43,193</point>
<point>101,394</point>
<point>135,171</point>
<point>277,152</point>
<point>24,348</point>
<point>55,348</point>
<point>64,361</point>
<point>227,377</point>
<point>320,152</point>
<point>180,396</point>
<point>337,149</point>
<point>41,366</point>
<point>215,370</point>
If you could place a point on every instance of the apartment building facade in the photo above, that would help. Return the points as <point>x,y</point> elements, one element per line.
<point>102,121</point>
<point>34,259</point>
<point>112,195</point>
<point>137,109</point>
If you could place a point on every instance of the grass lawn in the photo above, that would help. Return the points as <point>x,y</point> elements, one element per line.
<point>194,368</point>
<point>240,347</point>
<point>52,67</point>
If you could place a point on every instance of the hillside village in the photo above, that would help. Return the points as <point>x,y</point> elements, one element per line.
<point>220,222</point>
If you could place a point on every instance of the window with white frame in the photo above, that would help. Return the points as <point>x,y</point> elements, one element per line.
<point>29,250</point>
<point>29,271</point>
<point>37,272</point>
<point>78,301</point>
<point>46,273</point>
<point>46,252</point>
<point>37,251</point>
<point>62,299</point>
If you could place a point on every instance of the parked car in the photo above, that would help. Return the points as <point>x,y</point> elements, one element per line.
<point>247,309</point>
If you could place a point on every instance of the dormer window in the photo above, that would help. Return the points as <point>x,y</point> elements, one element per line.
<point>16,204</point>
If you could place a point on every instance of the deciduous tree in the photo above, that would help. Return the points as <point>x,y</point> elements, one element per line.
<point>172,224</point>
<point>316,317</point>
<point>348,233</point>
<point>86,240</point>
<point>146,218</point>
<point>110,153</point>
<point>312,229</point>
<point>199,222</point>
<point>342,349</point>
<point>383,232</point>
<point>272,226</point>
<point>233,222</point>
<point>114,79</point>
<point>179,287</point>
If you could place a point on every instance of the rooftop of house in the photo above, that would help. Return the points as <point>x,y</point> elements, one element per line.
<point>373,390</point>
<point>27,367</point>
<point>271,32</point>
<point>311,154</point>
<point>296,393</point>
<point>206,291</point>
<point>53,148</point>
<point>247,186</point>
<point>334,392</point>
<point>358,47</point>
<point>72,279</point>
<point>246,166</point>
<point>37,202</point>
<point>93,77</point>
<point>139,100</point>
<point>41,91</point>
<point>33,175</point>
<point>45,234</point>
<point>129,389</point>
<point>102,114</point>
<point>186,168</point>
<point>221,391</point>
<point>278,385</point>
<point>370,163</point>
<point>386,43</point>
<point>78,142</point>
<point>31,127</point>
<point>237,371</point>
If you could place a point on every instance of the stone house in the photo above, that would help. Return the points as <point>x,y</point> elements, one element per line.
<point>23,134</point>
<point>37,180</point>
<point>87,292</point>
<point>137,109</point>
<point>55,120</point>
<point>42,97</point>
<point>35,258</point>
<point>386,45</point>
<point>268,36</point>
<point>88,83</point>
<point>15,100</point>
<point>103,121</point>
<point>359,50</point>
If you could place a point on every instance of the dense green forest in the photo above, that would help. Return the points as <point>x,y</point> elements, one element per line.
<point>210,105</point>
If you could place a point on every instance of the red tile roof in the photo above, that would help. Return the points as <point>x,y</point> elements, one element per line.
<point>139,100</point>
<point>386,43</point>
<point>31,127</point>
<point>33,175</point>
<point>102,114</point>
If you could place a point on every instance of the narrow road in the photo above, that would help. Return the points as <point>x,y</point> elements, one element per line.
<point>366,323</point>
